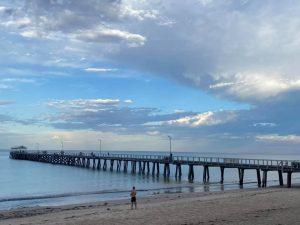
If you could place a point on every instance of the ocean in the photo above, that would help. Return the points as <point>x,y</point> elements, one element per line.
<point>26,183</point>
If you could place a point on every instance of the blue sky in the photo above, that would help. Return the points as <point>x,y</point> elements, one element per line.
<point>217,76</point>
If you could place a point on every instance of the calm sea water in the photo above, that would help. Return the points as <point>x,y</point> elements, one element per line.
<point>25,183</point>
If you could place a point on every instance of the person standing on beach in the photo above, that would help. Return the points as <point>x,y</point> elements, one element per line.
<point>133,197</point>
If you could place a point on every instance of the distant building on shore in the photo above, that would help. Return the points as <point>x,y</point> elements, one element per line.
<point>18,148</point>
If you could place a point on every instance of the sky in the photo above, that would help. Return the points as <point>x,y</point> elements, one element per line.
<point>214,75</point>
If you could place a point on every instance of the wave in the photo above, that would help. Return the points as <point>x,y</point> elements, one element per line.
<point>62,195</point>
<point>180,188</point>
<point>59,195</point>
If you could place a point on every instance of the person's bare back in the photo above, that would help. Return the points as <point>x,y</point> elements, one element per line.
<point>133,197</point>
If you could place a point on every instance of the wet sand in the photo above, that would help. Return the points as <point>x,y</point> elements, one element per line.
<point>279,206</point>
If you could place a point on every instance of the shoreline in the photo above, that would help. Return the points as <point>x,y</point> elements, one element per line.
<point>65,199</point>
<point>80,198</point>
<point>252,206</point>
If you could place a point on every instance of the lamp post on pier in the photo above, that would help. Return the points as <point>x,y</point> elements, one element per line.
<point>170,145</point>
<point>100,142</point>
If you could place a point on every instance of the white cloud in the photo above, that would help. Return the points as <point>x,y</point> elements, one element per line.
<point>18,80</point>
<point>17,23</point>
<point>85,21</point>
<point>194,121</point>
<point>264,125</point>
<point>100,70</point>
<point>4,86</point>
<point>128,101</point>
<point>86,104</point>
<point>55,137</point>
<point>279,138</point>
<point>90,110</point>
<point>179,110</point>
<point>30,34</point>
<point>4,9</point>
<point>221,85</point>
<point>111,35</point>
<point>204,119</point>
<point>153,133</point>
<point>128,11</point>
<point>256,87</point>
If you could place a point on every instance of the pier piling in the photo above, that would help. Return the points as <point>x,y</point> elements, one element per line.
<point>205,174</point>
<point>265,178</point>
<point>222,174</point>
<point>258,177</point>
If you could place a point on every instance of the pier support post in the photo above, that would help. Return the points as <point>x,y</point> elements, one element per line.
<point>104,165</point>
<point>222,174</point>
<point>77,162</point>
<point>133,167</point>
<point>125,166</point>
<point>265,178</point>
<point>157,169</point>
<point>94,163</point>
<point>289,179</point>
<point>99,164</point>
<point>167,170</point>
<point>258,177</point>
<point>111,165</point>
<point>280,177</point>
<point>148,167</point>
<point>241,175</point>
<point>144,167</point>
<point>140,167</point>
<point>119,163</point>
<point>153,168</point>
<point>191,172</point>
<point>205,174</point>
<point>178,171</point>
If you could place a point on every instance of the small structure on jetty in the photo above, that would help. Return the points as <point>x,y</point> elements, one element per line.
<point>18,148</point>
<point>141,164</point>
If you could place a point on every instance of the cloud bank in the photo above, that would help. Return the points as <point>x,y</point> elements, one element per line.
<point>234,49</point>
<point>244,51</point>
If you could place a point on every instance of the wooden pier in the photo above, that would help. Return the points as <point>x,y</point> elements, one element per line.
<point>142,164</point>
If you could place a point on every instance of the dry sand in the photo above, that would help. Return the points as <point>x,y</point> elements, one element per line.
<point>257,206</point>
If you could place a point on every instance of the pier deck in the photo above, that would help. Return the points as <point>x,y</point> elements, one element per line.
<point>141,164</point>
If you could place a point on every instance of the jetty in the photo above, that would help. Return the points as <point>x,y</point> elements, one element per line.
<point>150,164</point>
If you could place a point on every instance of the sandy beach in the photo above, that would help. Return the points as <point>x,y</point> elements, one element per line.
<point>278,206</point>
